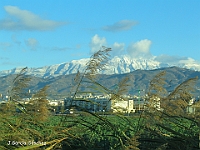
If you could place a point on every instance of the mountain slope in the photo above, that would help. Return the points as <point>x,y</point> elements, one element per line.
<point>62,86</point>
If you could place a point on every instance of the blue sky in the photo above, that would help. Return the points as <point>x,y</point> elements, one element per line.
<point>40,33</point>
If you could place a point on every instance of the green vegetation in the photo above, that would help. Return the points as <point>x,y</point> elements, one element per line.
<point>32,125</point>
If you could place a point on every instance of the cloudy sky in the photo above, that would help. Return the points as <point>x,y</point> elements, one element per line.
<point>39,33</point>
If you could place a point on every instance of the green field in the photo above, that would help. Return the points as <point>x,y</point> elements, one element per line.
<point>91,131</point>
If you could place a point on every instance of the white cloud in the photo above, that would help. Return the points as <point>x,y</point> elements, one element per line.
<point>135,50</point>
<point>174,60</point>
<point>117,48</point>
<point>140,49</point>
<point>26,20</point>
<point>169,59</point>
<point>120,26</point>
<point>187,61</point>
<point>32,43</point>
<point>96,43</point>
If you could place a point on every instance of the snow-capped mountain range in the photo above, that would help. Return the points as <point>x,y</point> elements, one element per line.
<point>117,65</point>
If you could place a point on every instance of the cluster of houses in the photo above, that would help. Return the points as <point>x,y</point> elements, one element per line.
<point>106,103</point>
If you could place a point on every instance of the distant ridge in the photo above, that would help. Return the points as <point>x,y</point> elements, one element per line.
<point>117,65</point>
<point>60,86</point>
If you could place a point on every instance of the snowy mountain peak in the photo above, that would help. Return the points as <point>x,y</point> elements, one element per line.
<point>117,65</point>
